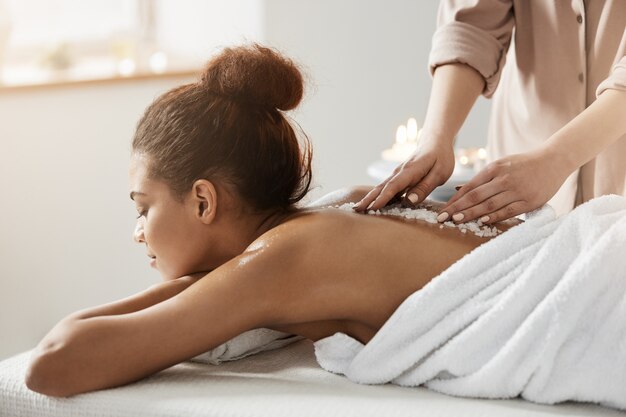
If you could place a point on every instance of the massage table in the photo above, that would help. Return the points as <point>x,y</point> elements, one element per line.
<point>283,382</point>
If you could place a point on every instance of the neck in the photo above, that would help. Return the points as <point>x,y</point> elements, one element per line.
<point>270,220</point>
<point>250,227</point>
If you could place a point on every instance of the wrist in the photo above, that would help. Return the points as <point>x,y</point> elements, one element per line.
<point>436,139</point>
<point>562,162</point>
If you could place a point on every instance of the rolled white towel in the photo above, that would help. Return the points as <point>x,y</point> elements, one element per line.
<point>246,344</point>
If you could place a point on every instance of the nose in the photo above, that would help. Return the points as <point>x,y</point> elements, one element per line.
<point>138,233</point>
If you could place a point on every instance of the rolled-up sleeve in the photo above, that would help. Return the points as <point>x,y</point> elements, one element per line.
<point>616,80</point>
<point>476,33</point>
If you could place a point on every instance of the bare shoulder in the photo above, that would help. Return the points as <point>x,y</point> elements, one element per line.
<point>297,265</point>
<point>342,196</point>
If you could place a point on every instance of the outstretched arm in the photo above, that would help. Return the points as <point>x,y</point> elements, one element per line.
<point>114,346</point>
<point>144,299</point>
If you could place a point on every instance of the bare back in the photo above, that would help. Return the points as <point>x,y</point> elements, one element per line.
<point>355,269</point>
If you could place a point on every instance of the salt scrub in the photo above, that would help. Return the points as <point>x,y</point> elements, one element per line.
<point>475,226</point>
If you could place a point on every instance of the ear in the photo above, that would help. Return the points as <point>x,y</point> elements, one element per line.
<point>204,200</point>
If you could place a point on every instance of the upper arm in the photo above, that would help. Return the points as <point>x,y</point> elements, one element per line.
<point>106,351</point>
<point>474,33</point>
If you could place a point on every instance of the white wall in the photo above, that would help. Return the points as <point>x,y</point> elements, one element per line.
<point>66,219</point>
<point>198,28</point>
<point>368,61</point>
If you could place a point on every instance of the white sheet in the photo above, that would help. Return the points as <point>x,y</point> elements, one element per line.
<point>539,312</point>
<point>286,382</point>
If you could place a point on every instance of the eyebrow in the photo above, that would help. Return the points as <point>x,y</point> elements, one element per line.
<point>134,193</point>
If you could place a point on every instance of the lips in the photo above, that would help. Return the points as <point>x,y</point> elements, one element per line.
<point>153,259</point>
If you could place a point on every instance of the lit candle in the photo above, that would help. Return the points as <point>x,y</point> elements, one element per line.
<point>411,130</point>
<point>463,161</point>
<point>473,159</point>
<point>401,135</point>
<point>405,144</point>
<point>481,159</point>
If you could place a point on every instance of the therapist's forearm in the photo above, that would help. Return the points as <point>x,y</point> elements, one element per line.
<point>455,90</point>
<point>589,133</point>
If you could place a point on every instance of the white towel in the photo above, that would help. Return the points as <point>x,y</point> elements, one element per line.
<point>539,312</point>
<point>246,344</point>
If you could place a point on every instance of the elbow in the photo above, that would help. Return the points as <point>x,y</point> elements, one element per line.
<point>62,364</point>
<point>38,377</point>
<point>45,374</point>
<point>51,370</point>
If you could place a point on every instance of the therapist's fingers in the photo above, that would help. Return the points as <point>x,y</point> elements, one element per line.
<point>453,205</point>
<point>414,172</point>
<point>369,197</point>
<point>383,193</point>
<point>419,192</point>
<point>483,177</point>
<point>367,200</point>
<point>485,210</point>
<point>477,202</point>
<point>509,211</point>
<point>374,192</point>
<point>411,173</point>
<point>394,187</point>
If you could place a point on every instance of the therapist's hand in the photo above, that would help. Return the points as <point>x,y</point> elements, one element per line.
<point>507,187</point>
<point>430,166</point>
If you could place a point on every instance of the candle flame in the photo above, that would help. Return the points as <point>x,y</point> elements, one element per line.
<point>411,129</point>
<point>401,134</point>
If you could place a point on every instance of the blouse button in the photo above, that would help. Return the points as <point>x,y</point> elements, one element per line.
<point>581,77</point>
<point>579,19</point>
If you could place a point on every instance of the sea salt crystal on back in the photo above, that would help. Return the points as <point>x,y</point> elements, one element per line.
<point>476,227</point>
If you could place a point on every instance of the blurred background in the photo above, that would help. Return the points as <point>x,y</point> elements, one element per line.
<point>75,76</point>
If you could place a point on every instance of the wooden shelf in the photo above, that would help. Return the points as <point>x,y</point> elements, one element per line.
<point>80,82</point>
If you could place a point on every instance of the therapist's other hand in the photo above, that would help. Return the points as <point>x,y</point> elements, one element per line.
<point>505,188</point>
<point>430,166</point>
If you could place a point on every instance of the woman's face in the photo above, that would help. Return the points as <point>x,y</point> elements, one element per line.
<point>176,241</point>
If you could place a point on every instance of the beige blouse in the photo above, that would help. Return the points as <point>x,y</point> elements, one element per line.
<point>565,53</point>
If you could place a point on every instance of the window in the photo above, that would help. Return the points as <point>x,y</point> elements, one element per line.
<point>51,40</point>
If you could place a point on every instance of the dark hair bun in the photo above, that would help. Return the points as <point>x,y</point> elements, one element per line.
<point>255,74</point>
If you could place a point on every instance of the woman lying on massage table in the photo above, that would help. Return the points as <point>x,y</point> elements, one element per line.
<point>216,172</point>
